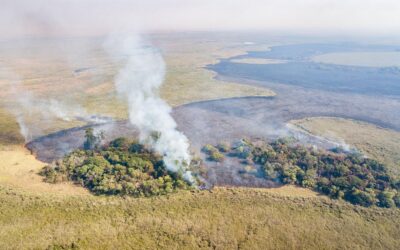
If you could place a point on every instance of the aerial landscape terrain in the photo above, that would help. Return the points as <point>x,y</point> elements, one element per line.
<point>172,133</point>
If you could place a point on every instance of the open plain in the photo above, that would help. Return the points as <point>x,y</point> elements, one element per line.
<point>209,107</point>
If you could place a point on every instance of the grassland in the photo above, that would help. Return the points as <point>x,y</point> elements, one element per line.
<point>9,129</point>
<point>38,215</point>
<point>375,142</point>
<point>222,219</point>
<point>187,79</point>
<point>19,171</point>
<point>48,70</point>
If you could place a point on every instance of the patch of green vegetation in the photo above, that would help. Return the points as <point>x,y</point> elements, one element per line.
<point>120,168</point>
<point>224,147</point>
<point>213,153</point>
<point>351,177</point>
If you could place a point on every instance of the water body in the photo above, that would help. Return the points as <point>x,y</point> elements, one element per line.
<point>304,52</point>
<point>305,88</point>
<point>301,70</point>
<point>365,59</point>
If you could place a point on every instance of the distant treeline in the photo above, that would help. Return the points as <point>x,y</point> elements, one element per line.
<point>348,176</point>
<point>121,167</point>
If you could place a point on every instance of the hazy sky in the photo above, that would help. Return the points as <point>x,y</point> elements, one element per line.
<point>80,17</point>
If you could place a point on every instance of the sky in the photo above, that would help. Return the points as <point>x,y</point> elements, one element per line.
<point>97,17</point>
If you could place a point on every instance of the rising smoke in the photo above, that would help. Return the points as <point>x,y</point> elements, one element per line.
<point>26,106</point>
<point>138,82</point>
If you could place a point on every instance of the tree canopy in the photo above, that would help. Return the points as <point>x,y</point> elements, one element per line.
<point>118,168</point>
<point>348,176</point>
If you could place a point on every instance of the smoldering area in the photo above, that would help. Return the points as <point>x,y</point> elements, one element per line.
<point>266,118</point>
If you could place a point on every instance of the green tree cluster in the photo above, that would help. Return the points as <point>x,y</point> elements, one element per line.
<point>340,175</point>
<point>213,153</point>
<point>119,168</point>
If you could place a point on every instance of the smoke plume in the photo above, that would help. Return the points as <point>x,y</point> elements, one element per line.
<point>138,82</point>
<point>27,107</point>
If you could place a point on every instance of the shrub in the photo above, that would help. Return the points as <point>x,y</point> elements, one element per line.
<point>216,156</point>
<point>224,147</point>
<point>208,149</point>
<point>386,199</point>
<point>121,143</point>
<point>360,197</point>
<point>396,199</point>
<point>213,153</point>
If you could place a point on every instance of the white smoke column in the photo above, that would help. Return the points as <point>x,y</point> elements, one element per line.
<point>138,82</point>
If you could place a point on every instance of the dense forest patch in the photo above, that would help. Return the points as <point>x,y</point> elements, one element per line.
<point>340,175</point>
<point>121,167</point>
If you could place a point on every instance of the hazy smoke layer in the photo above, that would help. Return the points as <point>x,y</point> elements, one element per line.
<point>97,17</point>
<point>138,82</point>
<point>28,108</point>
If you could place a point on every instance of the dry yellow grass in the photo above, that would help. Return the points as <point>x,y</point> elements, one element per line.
<point>19,170</point>
<point>187,79</point>
<point>226,218</point>
<point>375,142</point>
<point>292,191</point>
